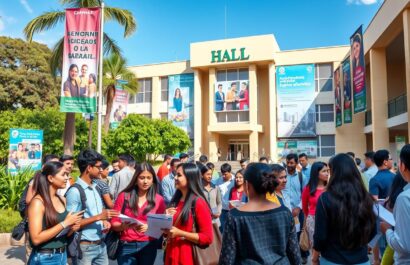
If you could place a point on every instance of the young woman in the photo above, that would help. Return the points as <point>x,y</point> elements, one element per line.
<point>49,221</point>
<point>237,193</point>
<point>139,199</point>
<point>347,206</point>
<point>273,240</point>
<point>178,100</point>
<point>92,87</point>
<point>279,172</point>
<point>189,198</point>
<point>319,176</point>
<point>212,194</point>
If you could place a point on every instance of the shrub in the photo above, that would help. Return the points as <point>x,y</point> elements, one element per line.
<point>12,187</point>
<point>8,220</point>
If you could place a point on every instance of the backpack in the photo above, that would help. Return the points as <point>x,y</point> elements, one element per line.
<point>22,204</point>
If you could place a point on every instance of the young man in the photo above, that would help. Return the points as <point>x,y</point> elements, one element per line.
<point>304,163</point>
<point>164,169</point>
<point>380,184</point>
<point>183,157</point>
<point>203,159</point>
<point>168,183</point>
<point>231,98</point>
<point>68,162</point>
<point>370,166</point>
<point>225,183</point>
<point>398,237</point>
<point>264,160</point>
<point>219,99</point>
<point>244,163</point>
<point>102,186</point>
<point>95,219</point>
<point>115,168</point>
<point>122,178</point>
<point>213,195</point>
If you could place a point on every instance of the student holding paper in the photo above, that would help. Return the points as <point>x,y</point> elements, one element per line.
<point>49,217</point>
<point>140,198</point>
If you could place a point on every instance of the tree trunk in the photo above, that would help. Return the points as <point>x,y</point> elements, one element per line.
<point>110,100</point>
<point>69,133</point>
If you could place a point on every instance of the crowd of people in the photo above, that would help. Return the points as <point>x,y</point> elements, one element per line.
<point>257,215</point>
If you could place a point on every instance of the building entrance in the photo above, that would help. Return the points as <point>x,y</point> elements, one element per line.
<point>237,150</point>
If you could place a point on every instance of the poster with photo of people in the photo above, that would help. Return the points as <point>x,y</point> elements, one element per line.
<point>25,150</point>
<point>296,146</point>
<point>232,95</point>
<point>347,91</point>
<point>357,64</point>
<point>338,97</point>
<point>119,107</point>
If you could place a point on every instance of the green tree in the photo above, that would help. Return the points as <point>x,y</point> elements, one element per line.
<point>115,68</point>
<point>141,137</point>
<point>51,19</point>
<point>25,78</point>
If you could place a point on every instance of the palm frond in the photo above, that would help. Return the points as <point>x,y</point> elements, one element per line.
<point>110,46</point>
<point>115,67</point>
<point>56,60</point>
<point>80,3</point>
<point>43,22</point>
<point>123,17</point>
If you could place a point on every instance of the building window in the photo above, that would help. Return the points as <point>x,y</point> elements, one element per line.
<point>164,116</point>
<point>144,94</point>
<point>232,74</point>
<point>324,77</point>
<point>326,145</point>
<point>164,88</point>
<point>325,113</point>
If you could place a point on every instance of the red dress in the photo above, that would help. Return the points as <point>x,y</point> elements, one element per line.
<point>179,251</point>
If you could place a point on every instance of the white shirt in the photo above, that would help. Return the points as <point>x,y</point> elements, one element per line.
<point>225,187</point>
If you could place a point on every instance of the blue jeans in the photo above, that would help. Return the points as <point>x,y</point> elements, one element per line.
<point>37,258</point>
<point>93,255</point>
<point>137,253</point>
<point>324,261</point>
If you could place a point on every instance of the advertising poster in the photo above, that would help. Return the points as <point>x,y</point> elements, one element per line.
<point>347,91</point>
<point>338,97</point>
<point>25,149</point>
<point>357,63</point>
<point>296,100</point>
<point>232,95</point>
<point>80,60</point>
<point>119,107</point>
<point>180,102</point>
<point>291,146</point>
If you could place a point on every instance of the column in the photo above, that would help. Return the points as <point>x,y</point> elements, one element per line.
<point>213,147</point>
<point>253,96</point>
<point>211,108</point>
<point>253,145</point>
<point>197,114</point>
<point>156,97</point>
<point>406,31</point>
<point>378,81</point>
<point>272,112</point>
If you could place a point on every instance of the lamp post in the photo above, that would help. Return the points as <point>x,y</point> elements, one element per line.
<point>100,78</point>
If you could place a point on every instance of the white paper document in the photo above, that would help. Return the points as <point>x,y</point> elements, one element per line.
<point>384,214</point>
<point>236,203</point>
<point>127,219</point>
<point>157,222</point>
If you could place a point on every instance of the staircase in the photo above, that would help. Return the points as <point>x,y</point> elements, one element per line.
<point>234,164</point>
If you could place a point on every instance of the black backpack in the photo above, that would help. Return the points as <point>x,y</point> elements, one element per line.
<point>22,205</point>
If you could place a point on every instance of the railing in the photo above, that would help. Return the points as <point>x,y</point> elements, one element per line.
<point>368,117</point>
<point>397,106</point>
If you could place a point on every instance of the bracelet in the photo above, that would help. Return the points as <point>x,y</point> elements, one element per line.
<point>63,225</point>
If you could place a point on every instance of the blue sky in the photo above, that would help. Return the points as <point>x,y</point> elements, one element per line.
<point>167,27</point>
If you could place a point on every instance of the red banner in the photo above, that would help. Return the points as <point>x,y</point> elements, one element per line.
<point>80,60</point>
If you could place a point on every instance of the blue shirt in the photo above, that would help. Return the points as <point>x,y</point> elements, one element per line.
<point>306,174</point>
<point>168,187</point>
<point>380,184</point>
<point>94,206</point>
<point>293,190</point>
<point>399,239</point>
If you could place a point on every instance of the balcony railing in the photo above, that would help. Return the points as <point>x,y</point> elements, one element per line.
<point>368,117</point>
<point>397,106</point>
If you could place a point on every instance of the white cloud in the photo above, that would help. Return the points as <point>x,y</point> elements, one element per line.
<point>363,2</point>
<point>26,6</point>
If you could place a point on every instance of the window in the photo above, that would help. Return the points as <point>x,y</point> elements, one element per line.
<point>164,88</point>
<point>325,113</point>
<point>232,75</point>
<point>145,92</point>
<point>164,115</point>
<point>326,144</point>
<point>324,77</point>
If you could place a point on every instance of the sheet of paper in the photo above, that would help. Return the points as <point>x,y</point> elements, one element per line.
<point>127,219</point>
<point>384,214</point>
<point>215,210</point>
<point>157,222</point>
<point>236,203</point>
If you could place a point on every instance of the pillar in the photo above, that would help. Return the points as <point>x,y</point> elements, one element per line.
<point>406,32</point>
<point>253,96</point>
<point>211,108</point>
<point>197,114</point>
<point>272,113</point>
<point>156,97</point>
<point>253,144</point>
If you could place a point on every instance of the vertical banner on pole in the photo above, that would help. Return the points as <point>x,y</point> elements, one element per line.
<point>347,92</point>
<point>80,60</point>
<point>357,63</point>
<point>119,107</point>
<point>338,97</point>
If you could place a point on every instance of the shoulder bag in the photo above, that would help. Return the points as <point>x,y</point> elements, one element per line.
<point>112,240</point>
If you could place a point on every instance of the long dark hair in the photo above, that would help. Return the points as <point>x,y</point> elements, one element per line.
<point>132,188</point>
<point>354,215</point>
<point>193,176</point>
<point>42,185</point>
<point>314,176</point>
<point>242,172</point>
<point>396,188</point>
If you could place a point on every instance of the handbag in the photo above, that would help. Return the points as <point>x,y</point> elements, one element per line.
<point>19,230</point>
<point>206,255</point>
<point>304,241</point>
<point>112,240</point>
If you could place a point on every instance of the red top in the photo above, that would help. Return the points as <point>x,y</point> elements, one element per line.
<point>162,171</point>
<point>131,235</point>
<point>309,202</point>
<point>179,251</point>
<point>236,195</point>
<point>244,101</point>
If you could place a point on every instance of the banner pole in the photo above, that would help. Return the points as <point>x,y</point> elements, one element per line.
<point>100,77</point>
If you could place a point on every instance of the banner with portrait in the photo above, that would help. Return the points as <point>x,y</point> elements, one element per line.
<point>347,91</point>
<point>295,89</point>
<point>296,146</point>
<point>180,102</point>
<point>232,95</point>
<point>119,107</point>
<point>80,60</point>
<point>338,97</point>
<point>358,68</point>
<point>25,150</point>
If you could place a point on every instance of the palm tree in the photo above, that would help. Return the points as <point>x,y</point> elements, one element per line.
<point>50,19</point>
<point>114,68</point>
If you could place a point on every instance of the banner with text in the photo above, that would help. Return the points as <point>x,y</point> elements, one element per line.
<point>296,100</point>
<point>80,60</point>
<point>357,63</point>
<point>181,102</point>
<point>338,97</point>
<point>119,107</point>
<point>25,150</point>
<point>291,146</point>
<point>347,91</point>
